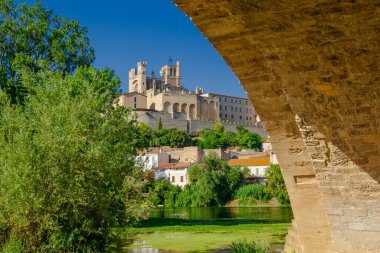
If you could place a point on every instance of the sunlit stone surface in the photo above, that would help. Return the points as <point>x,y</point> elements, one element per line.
<point>312,70</point>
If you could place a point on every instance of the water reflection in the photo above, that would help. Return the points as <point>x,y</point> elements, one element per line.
<point>270,214</point>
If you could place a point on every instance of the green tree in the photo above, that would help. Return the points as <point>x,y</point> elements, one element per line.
<point>170,137</point>
<point>164,193</point>
<point>250,140</point>
<point>145,135</point>
<point>218,127</point>
<point>276,184</point>
<point>212,183</point>
<point>247,139</point>
<point>220,138</point>
<point>31,37</point>
<point>159,127</point>
<point>67,172</point>
<point>209,138</point>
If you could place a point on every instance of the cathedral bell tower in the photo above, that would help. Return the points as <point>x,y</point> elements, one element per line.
<point>137,79</point>
<point>171,74</point>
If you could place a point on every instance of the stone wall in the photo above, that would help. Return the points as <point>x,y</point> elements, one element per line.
<point>180,121</point>
<point>197,125</point>
<point>176,120</point>
<point>311,68</point>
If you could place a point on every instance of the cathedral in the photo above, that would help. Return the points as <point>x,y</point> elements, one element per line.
<point>166,94</point>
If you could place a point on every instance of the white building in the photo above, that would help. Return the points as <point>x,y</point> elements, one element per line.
<point>176,173</point>
<point>153,158</point>
<point>256,165</point>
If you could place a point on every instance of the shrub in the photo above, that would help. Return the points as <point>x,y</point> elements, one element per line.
<point>248,194</point>
<point>67,173</point>
<point>248,247</point>
<point>212,183</point>
<point>276,184</point>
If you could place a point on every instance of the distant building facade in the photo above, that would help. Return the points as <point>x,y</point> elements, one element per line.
<point>235,109</point>
<point>165,94</point>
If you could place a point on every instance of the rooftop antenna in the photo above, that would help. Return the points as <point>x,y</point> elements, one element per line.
<point>170,62</point>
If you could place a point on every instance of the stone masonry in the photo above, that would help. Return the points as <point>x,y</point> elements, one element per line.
<point>192,127</point>
<point>312,70</point>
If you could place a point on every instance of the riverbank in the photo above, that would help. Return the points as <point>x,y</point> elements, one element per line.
<point>207,237</point>
<point>210,229</point>
<point>271,203</point>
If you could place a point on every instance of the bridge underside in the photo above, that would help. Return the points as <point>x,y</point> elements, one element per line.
<point>312,70</point>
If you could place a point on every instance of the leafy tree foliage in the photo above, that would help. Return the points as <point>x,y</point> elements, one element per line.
<point>163,193</point>
<point>212,183</point>
<point>220,138</point>
<point>67,172</point>
<point>170,137</point>
<point>276,184</point>
<point>159,127</point>
<point>163,137</point>
<point>247,139</point>
<point>145,135</point>
<point>32,36</point>
<point>249,194</point>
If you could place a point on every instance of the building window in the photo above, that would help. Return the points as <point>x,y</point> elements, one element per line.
<point>135,99</point>
<point>232,116</point>
<point>241,117</point>
<point>225,108</point>
<point>246,110</point>
<point>181,178</point>
<point>239,102</point>
<point>236,109</point>
<point>246,118</point>
<point>226,115</point>
<point>220,99</point>
<point>225,99</point>
<point>240,110</point>
<point>173,179</point>
<point>232,108</point>
<point>236,101</point>
<point>250,118</point>
<point>220,107</point>
<point>221,115</point>
<point>257,171</point>
<point>246,102</point>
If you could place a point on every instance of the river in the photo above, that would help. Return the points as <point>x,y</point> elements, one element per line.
<point>210,229</point>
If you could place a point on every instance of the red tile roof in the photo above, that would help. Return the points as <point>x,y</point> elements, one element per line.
<point>256,161</point>
<point>173,166</point>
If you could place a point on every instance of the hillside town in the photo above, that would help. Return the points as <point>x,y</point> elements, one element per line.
<point>172,164</point>
<point>164,99</point>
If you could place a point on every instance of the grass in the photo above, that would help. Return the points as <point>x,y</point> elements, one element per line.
<point>248,247</point>
<point>204,235</point>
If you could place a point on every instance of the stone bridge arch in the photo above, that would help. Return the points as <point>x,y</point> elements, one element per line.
<point>312,70</point>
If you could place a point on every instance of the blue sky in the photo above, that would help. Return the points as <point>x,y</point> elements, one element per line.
<point>125,31</point>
